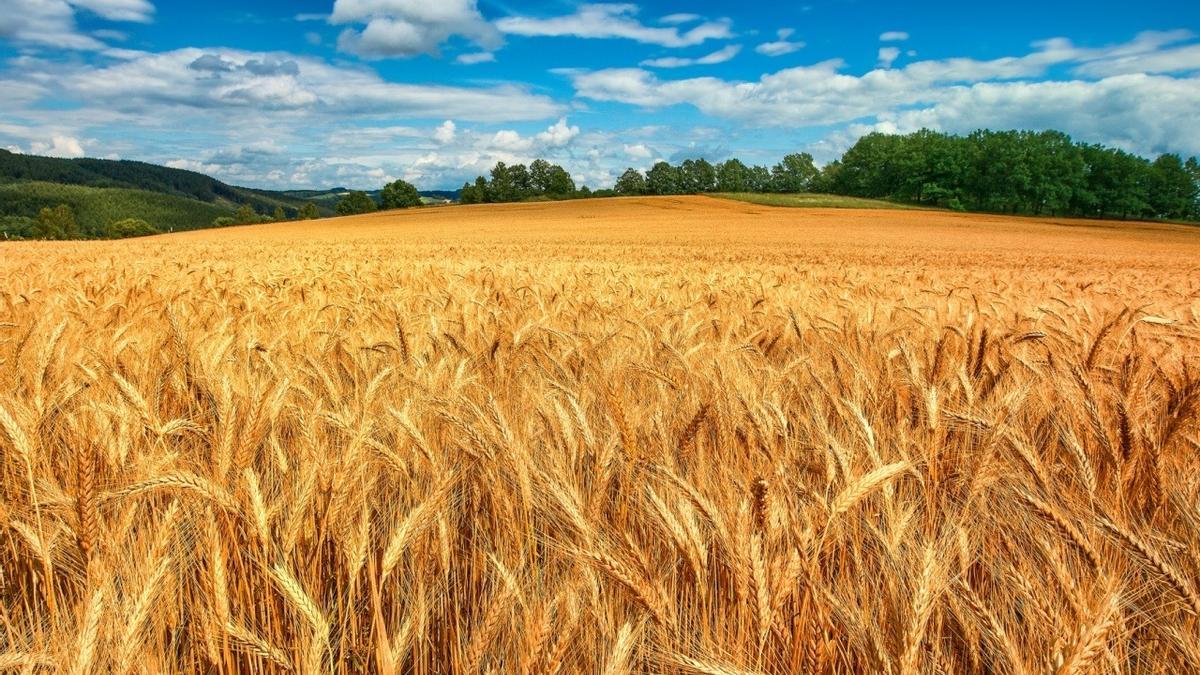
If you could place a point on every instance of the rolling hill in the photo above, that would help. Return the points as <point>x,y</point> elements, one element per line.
<point>100,191</point>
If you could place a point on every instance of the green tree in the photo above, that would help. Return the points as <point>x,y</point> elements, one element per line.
<point>758,179</point>
<point>279,215</point>
<point>130,227</point>
<point>631,184</point>
<point>1171,189</point>
<point>1193,169</point>
<point>559,183</point>
<point>502,187</point>
<point>469,194</point>
<point>483,189</point>
<point>733,176</point>
<point>794,174</point>
<point>697,176</point>
<point>309,211</point>
<point>55,223</point>
<point>246,215</point>
<point>539,176</point>
<point>400,195</point>
<point>356,203</point>
<point>663,179</point>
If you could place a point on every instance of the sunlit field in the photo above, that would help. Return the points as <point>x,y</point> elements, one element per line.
<point>666,435</point>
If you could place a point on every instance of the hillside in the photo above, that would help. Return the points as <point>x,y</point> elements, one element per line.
<point>132,175</point>
<point>97,207</point>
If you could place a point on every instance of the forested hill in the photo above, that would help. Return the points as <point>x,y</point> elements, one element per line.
<point>106,173</point>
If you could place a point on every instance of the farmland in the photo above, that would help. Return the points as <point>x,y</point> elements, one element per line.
<point>679,435</point>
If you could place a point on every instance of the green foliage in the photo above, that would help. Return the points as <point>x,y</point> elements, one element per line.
<point>400,195</point>
<point>356,203</point>
<point>246,215</point>
<point>279,215</point>
<point>15,227</point>
<point>469,194</point>
<point>130,227</point>
<point>794,174</point>
<point>541,180</point>
<point>55,223</point>
<point>631,184</point>
<point>223,221</point>
<point>696,176</point>
<point>663,179</point>
<point>550,180</point>
<point>1015,172</point>
<point>96,208</point>
<point>104,173</point>
<point>733,176</point>
<point>309,212</point>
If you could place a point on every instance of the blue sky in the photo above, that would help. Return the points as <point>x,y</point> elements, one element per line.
<point>359,92</point>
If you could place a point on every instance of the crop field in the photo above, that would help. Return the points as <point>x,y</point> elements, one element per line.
<point>659,435</point>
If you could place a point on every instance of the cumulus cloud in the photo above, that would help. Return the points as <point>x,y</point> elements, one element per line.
<point>445,133</point>
<point>719,56</point>
<point>1142,112</point>
<point>234,79</point>
<point>58,146</point>
<point>610,20</point>
<point>893,36</point>
<point>638,151</point>
<point>558,135</point>
<point>782,46</point>
<point>52,23</point>
<point>406,28</point>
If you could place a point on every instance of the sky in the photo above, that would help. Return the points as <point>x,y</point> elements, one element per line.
<point>357,93</point>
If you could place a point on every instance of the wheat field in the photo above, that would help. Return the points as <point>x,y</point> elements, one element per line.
<point>624,436</point>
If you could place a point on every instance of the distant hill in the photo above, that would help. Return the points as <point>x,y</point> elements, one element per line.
<point>95,208</point>
<point>329,198</point>
<point>102,191</point>
<point>106,173</point>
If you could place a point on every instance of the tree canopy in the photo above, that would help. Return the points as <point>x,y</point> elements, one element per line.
<point>356,203</point>
<point>400,195</point>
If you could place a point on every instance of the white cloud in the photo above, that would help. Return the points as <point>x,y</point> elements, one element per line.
<point>638,151</point>
<point>1147,53</point>
<point>52,23</point>
<point>893,36</point>
<point>782,46</point>
<point>719,56</point>
<point>140,11</point>
<point>511,141</point>
<point>1146,114</point>
<point>445,133</point>
<point>58,146</point>
<point>679,19</point>
<point>888,56</point>
<point>558,135</point>
<point>1141,112</point>
<point>604,21</point>
<point>406,28</point>
<point>237,80</point>
<point>473,58</point>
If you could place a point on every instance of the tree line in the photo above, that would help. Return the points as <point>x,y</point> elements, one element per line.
<point>518,183</point>
<point>59,223</point>
<point>1021,172</point>
<point>1018,172</point>
<point>398,194</point>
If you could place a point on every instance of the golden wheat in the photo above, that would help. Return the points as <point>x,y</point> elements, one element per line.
<point>665,435</point>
